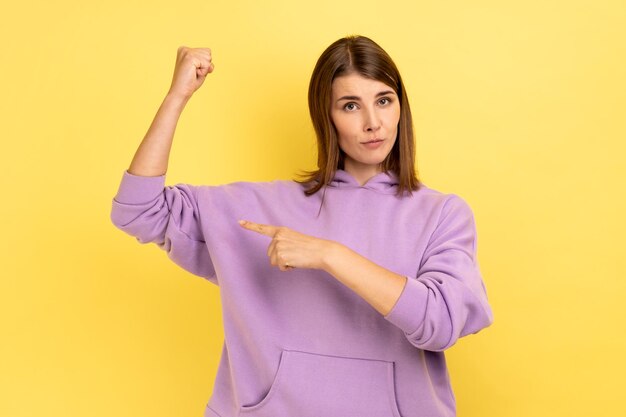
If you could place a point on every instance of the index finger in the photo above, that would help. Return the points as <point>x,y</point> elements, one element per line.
<point>264,229</point>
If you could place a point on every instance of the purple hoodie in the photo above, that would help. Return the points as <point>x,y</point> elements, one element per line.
<point>299,343</point>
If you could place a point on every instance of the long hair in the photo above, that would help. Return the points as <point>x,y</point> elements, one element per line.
<point>360,55</point>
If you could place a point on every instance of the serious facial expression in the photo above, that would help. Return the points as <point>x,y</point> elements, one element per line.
<point>364,110</point>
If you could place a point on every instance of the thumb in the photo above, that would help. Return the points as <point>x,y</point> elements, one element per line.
<point>203,71</point>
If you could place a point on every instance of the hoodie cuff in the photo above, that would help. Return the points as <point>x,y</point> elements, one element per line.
<point>410,310</point>
<point>137,189</point>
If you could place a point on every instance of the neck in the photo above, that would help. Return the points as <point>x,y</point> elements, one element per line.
<point>362,172</point>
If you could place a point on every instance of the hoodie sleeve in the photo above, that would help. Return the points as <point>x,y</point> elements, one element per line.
<point>165,215</point>
<point>448,299</point>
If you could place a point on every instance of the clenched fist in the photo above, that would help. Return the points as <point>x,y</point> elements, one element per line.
<point>192,67</point>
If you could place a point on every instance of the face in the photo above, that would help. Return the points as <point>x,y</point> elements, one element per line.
<point>363,110</point>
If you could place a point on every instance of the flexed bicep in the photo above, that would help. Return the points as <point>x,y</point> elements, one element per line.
<point>144,207</point>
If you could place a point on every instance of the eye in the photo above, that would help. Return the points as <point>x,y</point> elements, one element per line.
<point>384,101</point>
<point>350,106</point>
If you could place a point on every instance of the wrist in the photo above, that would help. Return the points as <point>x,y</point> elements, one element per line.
<point>177,98</point>
<point>334,251</point>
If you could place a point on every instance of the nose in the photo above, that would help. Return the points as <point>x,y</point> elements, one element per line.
<point>372,121</point>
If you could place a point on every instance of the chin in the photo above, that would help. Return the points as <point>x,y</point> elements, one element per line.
<point>374,161</point>
<point>371,160</point>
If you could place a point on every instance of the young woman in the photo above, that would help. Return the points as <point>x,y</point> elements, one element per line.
<point>340,291</point>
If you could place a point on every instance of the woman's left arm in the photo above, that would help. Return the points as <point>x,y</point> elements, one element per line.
<point>380,287</point>
<point>291,249</point>
<point>447,300</point>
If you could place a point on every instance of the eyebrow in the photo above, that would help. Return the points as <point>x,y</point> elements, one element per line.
<point>382,93</point>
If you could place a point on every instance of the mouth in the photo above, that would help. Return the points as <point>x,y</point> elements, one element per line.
<point>374,140</point>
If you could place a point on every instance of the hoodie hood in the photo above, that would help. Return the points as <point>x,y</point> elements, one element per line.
<point>386,182</point>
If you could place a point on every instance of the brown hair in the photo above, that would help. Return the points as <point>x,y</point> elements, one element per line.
<point>361,55</point>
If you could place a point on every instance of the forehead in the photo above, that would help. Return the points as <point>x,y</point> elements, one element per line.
<point>358,85</point>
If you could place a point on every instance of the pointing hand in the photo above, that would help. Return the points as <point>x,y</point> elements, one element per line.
<point>291,249</point>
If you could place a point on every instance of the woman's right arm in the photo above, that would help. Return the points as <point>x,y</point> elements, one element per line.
<point>192,66</point>
<point>143,206</point>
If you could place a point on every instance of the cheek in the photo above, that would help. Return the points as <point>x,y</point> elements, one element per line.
<point>342,140</point>
<point>343,126</point>
<point>394,116</point>
<point>394,119</point>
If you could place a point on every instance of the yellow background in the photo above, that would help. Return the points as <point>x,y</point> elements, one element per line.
<point>519,107</point>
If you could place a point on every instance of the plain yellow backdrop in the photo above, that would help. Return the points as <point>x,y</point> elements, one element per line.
<point>519,107</point>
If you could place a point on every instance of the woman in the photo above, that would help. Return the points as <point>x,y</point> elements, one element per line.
<point>341,291</point>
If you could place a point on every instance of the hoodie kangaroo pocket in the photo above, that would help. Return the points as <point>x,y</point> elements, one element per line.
<point>314,385</point>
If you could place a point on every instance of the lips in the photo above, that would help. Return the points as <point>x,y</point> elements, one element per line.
<point>373,144</point>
